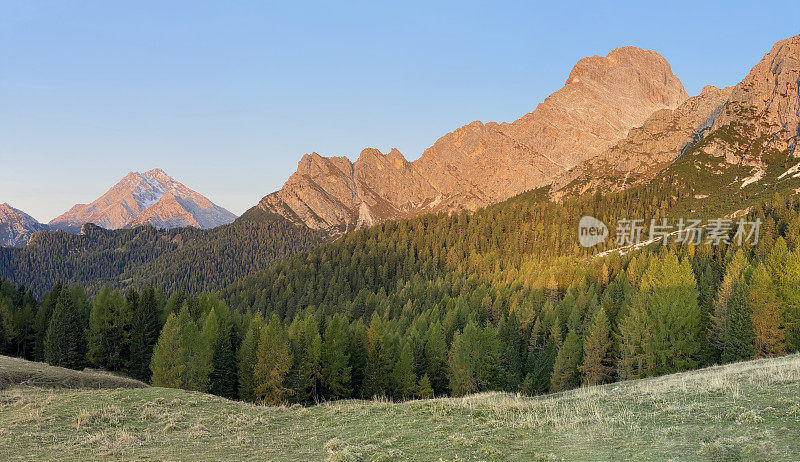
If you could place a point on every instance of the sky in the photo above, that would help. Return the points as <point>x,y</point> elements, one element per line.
<point>227,96</point>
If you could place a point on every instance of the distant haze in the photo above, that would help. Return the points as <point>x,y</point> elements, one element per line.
<point>228,97</point>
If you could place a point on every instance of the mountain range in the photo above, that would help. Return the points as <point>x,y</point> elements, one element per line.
<point>619,120</point>
<point>480,164</point>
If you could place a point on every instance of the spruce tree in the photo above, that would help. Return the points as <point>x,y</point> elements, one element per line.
<point>734,277</point>
<point>335,359</point>
<point>474,358</point>
<point>145,329</point>
<point>511,352</point>
<point>565,370</point>
<point>247,358</point>
<point>424,388</point>
<point>217,333</point>
<point>598,361</point>
<point>166,366</point>
<point>542,353</point>
<point>405,381</point>
<point>273,363</point>
<point>767,315</point>
<point>65,340</point>
<point>436,359</point>
<point>739,336</point>
<point>377,376</point>
<point>106,334</point>
<point>42,319</point>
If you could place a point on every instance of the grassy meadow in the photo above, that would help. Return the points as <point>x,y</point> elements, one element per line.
<point>743,411</point>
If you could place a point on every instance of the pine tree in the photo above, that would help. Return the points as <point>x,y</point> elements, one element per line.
<point>247,358</point>
<point>274,361</point>
<point>734,277</point>
<point>42,320</point>
<point>769,339</point>
<point>739,336</point>
<point>65,342</point>
<point>565,370</point>
<point>166,366</point>
<point>101,330</point>
<point>377,376</point>
<point>217,333</point>
<point>145,329</point>
<point>474,358</point>
<point>405,381</point>
<point>194,353</point>
<point>511,354</point>
<point>598,361</point>
<point>335,359</point>
<point>436,359</point>
<point>424,388</point>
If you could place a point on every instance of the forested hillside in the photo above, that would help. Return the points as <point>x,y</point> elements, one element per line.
<point>503,299</point>
<point>186,259</point>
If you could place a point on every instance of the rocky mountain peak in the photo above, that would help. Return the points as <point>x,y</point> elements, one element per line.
<point>762,116</point>
<point>150,198</point>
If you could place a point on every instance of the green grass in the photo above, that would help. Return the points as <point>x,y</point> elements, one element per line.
<point>747,411</point>
<point>15,372</point>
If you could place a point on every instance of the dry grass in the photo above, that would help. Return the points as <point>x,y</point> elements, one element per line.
<point>746,411</point>
<point>16,372</point>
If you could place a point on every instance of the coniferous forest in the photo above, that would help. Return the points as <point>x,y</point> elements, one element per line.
<point>412,308</point>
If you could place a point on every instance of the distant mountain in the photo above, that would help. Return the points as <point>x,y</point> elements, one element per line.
<point>16,227</point>
<point>151,198</point>
<point>480,164</point>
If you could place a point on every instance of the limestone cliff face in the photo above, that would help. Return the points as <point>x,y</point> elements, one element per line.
<point>664,136</point>
<point>480,164</point>
<point>604,98</point>
<point>763,114</point>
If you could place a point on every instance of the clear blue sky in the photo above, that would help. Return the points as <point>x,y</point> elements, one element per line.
<point>227,96</point>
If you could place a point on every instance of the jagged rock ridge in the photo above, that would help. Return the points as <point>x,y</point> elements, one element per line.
<point>150,198</point>
<point>479,164</point>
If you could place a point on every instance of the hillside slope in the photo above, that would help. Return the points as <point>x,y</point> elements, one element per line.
<point>188,259</point>
<point>17,371</point>
<point>746,410</point>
